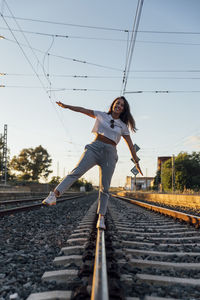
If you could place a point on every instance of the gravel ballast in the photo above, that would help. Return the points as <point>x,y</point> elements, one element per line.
<point>31,240</point>
<point>134,217</point>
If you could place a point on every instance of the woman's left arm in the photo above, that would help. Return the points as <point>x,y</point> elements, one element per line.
<point>133,153</point>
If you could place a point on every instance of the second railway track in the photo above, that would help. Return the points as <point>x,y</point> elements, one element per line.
<point>17,205</point>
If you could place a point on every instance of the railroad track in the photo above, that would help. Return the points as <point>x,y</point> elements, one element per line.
<point>157,257</point>
<point>17,205</point>
<point>74,268</point>
<point>142,255</point>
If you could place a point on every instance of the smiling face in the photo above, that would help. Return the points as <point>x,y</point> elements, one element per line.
<point>118,106</point>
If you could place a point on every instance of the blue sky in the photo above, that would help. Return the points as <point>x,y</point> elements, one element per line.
<point>41,62</point>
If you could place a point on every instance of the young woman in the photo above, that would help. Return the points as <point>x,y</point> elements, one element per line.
<point>109,127</point>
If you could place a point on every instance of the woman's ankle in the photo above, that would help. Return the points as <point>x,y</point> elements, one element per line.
<point>57,193</point>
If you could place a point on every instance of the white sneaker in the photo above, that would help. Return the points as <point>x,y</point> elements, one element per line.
<point>50,200</point>
<point>101,222</point>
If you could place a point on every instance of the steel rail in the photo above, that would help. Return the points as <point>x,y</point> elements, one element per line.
<point>34,206</point>
<point>16,201</point>
<point>20,201</point>
<point>191,219</point>
<point>100,281</point>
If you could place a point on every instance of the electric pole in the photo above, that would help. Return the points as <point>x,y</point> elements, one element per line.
<point>173,174</point>
<point>4,156</point>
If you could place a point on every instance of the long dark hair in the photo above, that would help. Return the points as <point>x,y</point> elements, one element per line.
<point>126,115</point>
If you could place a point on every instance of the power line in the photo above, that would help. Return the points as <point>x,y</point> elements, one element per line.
<point>29,62</point>
<point>101,90</point>
<point>98,38</point>
<point>71,59</point>
<point>105,76</point>
<point>170,32</point>
<point>59,89</point>
<point>161,92</point>
<point>105,28</point>
<point>169,43</point>
<point>168,71</point>
<point>32,50</point>
<point>101,77</point>
<point>102,66</point>
<point>66,36</point>
<point>132,45</point>
<point>70,24</point>
<point>23,52</point>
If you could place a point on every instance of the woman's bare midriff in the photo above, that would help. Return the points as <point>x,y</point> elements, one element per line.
<point>104,139</point>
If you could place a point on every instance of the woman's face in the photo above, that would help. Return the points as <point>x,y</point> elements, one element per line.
<point>118,106</point>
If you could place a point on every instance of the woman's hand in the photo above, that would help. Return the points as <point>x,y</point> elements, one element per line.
<point>82,110</point>
<point>61,104</point>
<point>133,153</point>
<point>138,168</point>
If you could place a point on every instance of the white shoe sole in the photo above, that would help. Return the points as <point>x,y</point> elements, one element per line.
<point>49,204</point>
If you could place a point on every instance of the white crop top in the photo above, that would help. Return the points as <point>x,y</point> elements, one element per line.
<point>102,126</point>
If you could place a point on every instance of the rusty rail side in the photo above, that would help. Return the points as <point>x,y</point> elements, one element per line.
<point>195,220</point>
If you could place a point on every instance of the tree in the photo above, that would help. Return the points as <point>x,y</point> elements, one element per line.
<point>88,186</point>
<point>187,172</point>
<point>32,164</point>
<point>82,182</point>
<point>55,180</point>
<point>157,180</point>
<point>77,184</point>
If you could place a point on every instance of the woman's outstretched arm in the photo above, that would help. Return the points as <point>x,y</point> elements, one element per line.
<point>133,153</point>
<point>82,110</point>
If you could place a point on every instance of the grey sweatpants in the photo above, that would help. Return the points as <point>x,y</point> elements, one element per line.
<point>96,153</point>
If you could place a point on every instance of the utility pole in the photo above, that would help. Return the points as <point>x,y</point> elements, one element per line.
<point>58,173</point>
<point>161,177</point>
<point>4,156</point>
<point>146,179</point>
<point>135,185</point>
<point>173,174</point>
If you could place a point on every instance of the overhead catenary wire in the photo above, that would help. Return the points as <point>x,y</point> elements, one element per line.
<point>70,58</point>
<point>24,54</point>
<point>70,24</point>
<point>99,90</point>
<point>131,45</point>
<point>107,67</point>
<point>157,92</point>
<point>68,36</point>
<point>76,60</point>
<point>79,76</point>
<point>104,28</point>
<point>31,65</point>
<point>100,76</point>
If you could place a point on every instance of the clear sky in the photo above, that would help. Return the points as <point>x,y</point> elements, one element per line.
<point>48,43</point>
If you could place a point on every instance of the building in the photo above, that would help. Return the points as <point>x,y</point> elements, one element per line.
<point>142,183</point>
<point>161,160</point>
